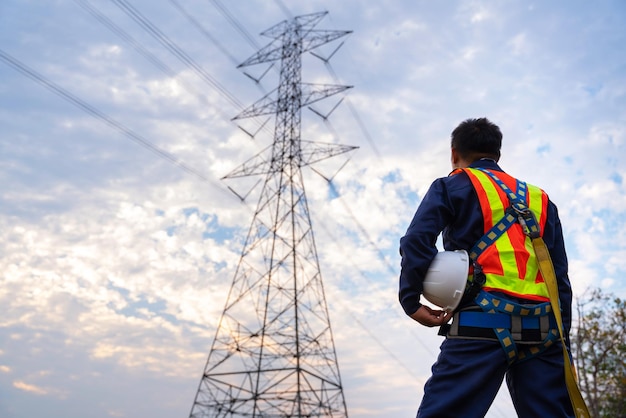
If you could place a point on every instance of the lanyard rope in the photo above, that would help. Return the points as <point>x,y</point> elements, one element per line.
<point>549,277</point>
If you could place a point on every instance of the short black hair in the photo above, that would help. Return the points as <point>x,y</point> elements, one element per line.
<point>477,138</point>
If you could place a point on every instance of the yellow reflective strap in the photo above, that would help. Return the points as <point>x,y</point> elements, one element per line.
<point>495,204</point>
<point>503,243</point>
<point>549,277</point>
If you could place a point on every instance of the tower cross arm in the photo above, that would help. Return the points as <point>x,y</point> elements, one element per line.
<point>302,21</point>
<point>319,37</point>
<point>312,152</point>
<point>259,164</point>
<point>312,93</point>
<point>269,53</point>
<point>267,105</point>
<point>276,49</point>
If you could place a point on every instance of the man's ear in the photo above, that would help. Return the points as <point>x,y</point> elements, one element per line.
<point>454,158</point>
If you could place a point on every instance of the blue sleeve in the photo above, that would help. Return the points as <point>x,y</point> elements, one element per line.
<point>418,245</point>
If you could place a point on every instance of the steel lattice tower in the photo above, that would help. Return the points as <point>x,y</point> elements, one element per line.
<point>273,353</point>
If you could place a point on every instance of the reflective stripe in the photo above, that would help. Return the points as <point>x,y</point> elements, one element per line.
<point>510,264</point>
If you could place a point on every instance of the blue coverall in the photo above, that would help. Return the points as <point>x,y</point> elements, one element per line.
<point>468,373</point>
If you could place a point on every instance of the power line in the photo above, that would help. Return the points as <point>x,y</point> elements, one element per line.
<point>355,115</point>
<point>178,52</point>
<point>284,8</point>
<point>154,60</point>
<point>383,346</point>
<point>171,46</point>
<point>125,36</point>
<point>66,95</point>
<point>235,23</point>
<point>356,268</point>
<point>204,32</point>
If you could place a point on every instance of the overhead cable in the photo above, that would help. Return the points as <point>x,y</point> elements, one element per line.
<point>284,8</point>
<point>204,31</point>
<point>235,23</point>
<point>171,46</point>
<point>355,115</point>
<point>66,95</point>
<point>125,36</point>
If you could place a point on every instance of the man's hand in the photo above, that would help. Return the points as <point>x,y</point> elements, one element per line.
<point>430,317</point>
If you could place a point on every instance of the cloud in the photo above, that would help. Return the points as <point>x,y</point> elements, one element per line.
<point>117,263</point>
<point>519,45</point>
<point>29,388</point>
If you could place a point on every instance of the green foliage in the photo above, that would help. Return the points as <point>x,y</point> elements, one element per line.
<point>599,347</point>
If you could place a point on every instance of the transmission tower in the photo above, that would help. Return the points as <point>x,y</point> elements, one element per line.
<point>273,354</point>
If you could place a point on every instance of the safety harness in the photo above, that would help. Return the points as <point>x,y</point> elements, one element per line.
<point>510,323</point>
<point>524,331</point>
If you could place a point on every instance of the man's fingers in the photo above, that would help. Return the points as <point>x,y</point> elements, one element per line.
<point>431,317</point>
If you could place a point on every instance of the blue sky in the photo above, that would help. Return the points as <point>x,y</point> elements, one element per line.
<point>116,261</point>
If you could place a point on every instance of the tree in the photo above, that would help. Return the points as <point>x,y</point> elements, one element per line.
<point>599,347</point>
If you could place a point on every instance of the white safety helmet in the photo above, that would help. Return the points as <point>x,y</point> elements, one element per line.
<point>446,278</point>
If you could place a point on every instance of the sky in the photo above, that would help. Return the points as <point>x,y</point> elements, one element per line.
<point>120,240</point>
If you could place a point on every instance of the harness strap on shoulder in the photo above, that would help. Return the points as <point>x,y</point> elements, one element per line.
<point>520,192</point>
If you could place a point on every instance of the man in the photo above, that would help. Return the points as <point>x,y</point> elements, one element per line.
<point>473,363</point>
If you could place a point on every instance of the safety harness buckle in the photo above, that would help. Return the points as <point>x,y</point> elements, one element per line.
<point>474,286</point>
<point>526,219</point>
